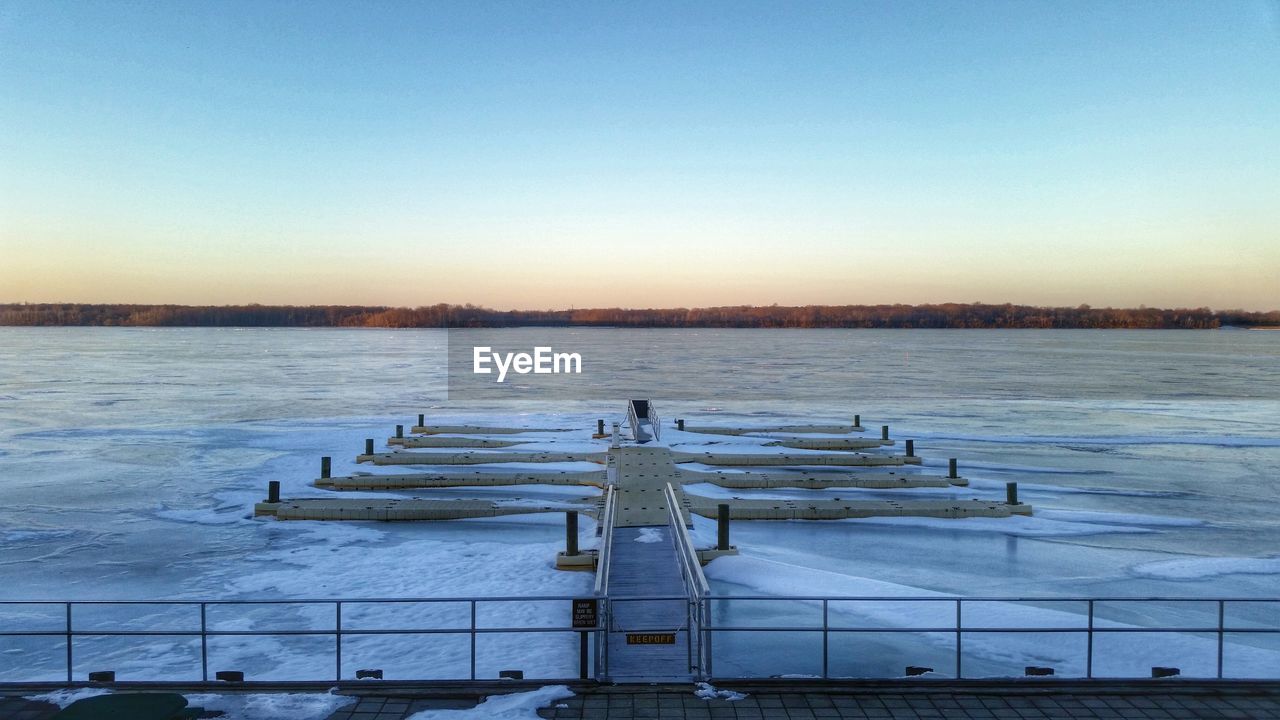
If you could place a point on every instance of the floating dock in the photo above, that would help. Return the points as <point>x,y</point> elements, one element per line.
<point>648,572</point>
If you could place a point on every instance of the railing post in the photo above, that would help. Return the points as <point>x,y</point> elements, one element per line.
<point>473,639</point>
<point>337,629</point>
<point>706,620</point>
<point>69,677</point>
<point>204,644</point>
<point>825,648</point>
<point>959,667</point>
<point>1088,663</point>
<point>1222,614</point>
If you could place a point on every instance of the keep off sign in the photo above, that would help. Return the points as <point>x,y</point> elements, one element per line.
<point>586,612</point>
<point>651,638</point>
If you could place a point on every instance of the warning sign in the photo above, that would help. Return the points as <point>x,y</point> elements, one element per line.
<point>651,638</point>
<point>585,612</point>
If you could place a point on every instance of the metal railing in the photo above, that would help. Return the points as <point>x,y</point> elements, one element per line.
<point>958,629</point>
<point>338,629</point>
<point>696,583</point>
<point>833,617</point>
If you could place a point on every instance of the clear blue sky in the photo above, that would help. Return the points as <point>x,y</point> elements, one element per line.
<point>548,154</point>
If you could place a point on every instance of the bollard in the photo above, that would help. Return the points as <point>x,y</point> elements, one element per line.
<point>1011,493</point>
<point>680,424</point>
<point>368,446</point>
<point>102,676</point>
<point>326,467</point>
<point>399,431</point>
<point>1164,672</point>
<point>916,670</point>
<point>273,491</point>
<point>571,532</point>
<point>857,421</point>
<point>422,420</point>
<point>616,440</point>
<point>229,675</point>
<point>911,448</point>
<point>722,526</point>
<point>951,473</point>
<point>369,674</point>
<point>1037,671</point>
<point>884,432</point>
<point>600,427</point>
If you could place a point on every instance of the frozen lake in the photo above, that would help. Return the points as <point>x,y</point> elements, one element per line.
<point>130,460</point>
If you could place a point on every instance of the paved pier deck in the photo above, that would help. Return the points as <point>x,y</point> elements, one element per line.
<point>478,458</point>
<point>740,509</point>
<point>789,429</point>
<point>403,509</point>
<point>438,441</point>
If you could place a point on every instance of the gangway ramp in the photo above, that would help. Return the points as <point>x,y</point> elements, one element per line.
<point>649,572</point>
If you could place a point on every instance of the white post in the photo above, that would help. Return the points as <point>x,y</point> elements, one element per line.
<point>615,443</point>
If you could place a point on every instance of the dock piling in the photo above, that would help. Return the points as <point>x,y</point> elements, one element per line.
<point>1011,493</point>
<point>951,469</point>
<point>884,432</point>
<point>857,421</point>
<point>571,532</point>
<point>422,420</point>
<point>399,431</point>
<point>911,448</point>
<point>273,491</point>
<point>680,424</point>
<point>722,526</point>
<point>368,446</point>
<point>600,427</point>
<point>326,467</point>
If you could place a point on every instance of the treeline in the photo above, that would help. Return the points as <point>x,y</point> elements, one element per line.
<point>948,315</point>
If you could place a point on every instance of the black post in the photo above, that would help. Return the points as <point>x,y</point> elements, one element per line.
<point>422,420</point>
<point>857,421</point>
<point>722,526</point>
<point>583,656</point>
<point>680,424</point>
<point>952,472</point>
<point>399,431</point>
<point>884,432</point>
<point>911,448</point>
<point>599,427</point>
<point>326,466</point>
<point>273,491</point>
<point>368,446</point>
<point>571,532</point>
<point>1011,493</point>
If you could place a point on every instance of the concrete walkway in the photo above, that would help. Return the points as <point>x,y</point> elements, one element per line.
<point>892,701</point>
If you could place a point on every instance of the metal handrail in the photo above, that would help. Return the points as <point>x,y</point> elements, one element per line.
<point>690,565</point>
<point>701,628</point>
<point>604,554</point>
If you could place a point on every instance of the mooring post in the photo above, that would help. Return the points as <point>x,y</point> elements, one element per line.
<point>857,421</point>
<point>600,426</point>
<point>368,446</point>
<point>570,532</point>
<point>422,420</point>
<point>911,448</point>
<point>615,443</point>
<point>326,466</point>
<point>1011,493</point>
<point>884,432</point>
<point>951,473</point>
<point>680,424</point>
<point>399,431</point>
<point>273,491</point>
<point>722,526</point>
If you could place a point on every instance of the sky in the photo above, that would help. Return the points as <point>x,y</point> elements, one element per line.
<point>651,154</point>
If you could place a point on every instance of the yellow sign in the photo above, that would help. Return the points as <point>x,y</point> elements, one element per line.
<point>651,638</point>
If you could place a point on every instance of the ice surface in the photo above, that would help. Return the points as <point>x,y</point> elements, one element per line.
<point>516,706</point>
<point>707,691</point>
<point>1204,568</point>
<point>650,535</point>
